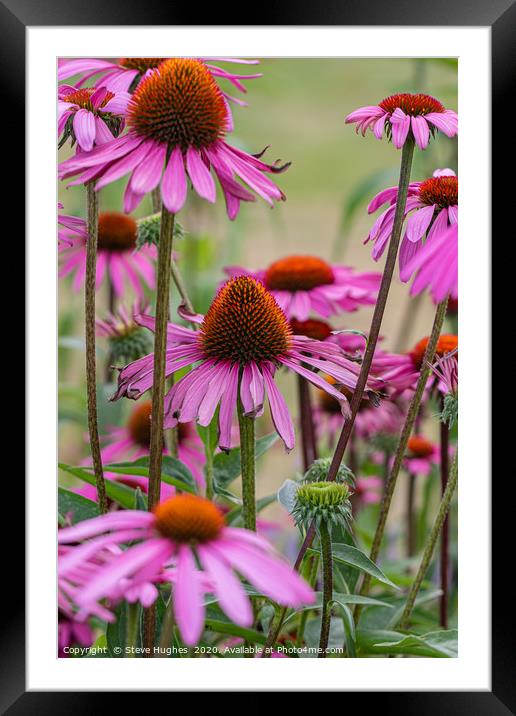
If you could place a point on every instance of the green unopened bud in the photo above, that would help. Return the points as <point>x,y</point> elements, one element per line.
<point>318,472</point>
<point>322,502</point>
<point>149,228</point>
<point>131,346</point>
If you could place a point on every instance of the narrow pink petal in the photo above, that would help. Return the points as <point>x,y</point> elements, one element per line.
<point>200,175</point>
<point>418,223</point>
<point>173,187</point>
<point>188,603</point>
<point>232,598</point>
<point>84,129</point>
<point>279,411</point>
<point>420,131</point>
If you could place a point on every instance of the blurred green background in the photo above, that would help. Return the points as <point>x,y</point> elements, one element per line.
<point>298,108</point>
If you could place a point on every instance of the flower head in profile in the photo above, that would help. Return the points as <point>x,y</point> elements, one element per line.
<point>431,208</point>
<point>403,115</point>
<point>126,339</point>
<point>70,228</point>
<point>177,119</point>
<point>91,117</point>
<point>116,256</point>
<point>421,456</point>
<point>436,266</point>
<point>446,370</point>
<point>303,285</point>
<point>186,533</point>
<point>241,342</point>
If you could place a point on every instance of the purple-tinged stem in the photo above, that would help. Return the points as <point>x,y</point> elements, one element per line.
<point>308,439</point>
<point>327,572</point>
<point>91,365</point>
<point>401,449</point>
<point>445,535</point>
<point>407,154</point>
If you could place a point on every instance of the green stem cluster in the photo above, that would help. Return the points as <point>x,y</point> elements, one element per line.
<point>247,462</point>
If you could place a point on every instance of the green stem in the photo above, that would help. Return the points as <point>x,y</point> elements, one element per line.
<point>247,463</point>
<point>158,389</point>
<point>208,473</point>
<point>133,614</point>
<point>407,154</point>
<point>312,578</point>
<point>403,441</point>
<point>431,542</point>
<point>160,347</point>
<point>445,536</point>
<point>327,570</point>
<point>91,367</point>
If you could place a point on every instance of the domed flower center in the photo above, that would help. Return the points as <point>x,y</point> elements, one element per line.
<point>188,518</point>
<point>419,447</point>
<point>244,324</point>
<point>139,424</point>
<point>82,98</point>
<point>443,191</point>
<point>142,64</point>
<point>298,273</point>
<point>317,330</point>
<point>117,232</point>
<point>446,344</point>
<point>179,104</point>
<point>413,104</point>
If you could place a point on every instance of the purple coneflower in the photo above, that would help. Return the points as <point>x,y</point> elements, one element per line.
<point>117,256</point>
<point>307,284</point>
<point>186,532</point>
<point>400,114</point>
<point>91,117</point>
<point>432,206</point>
<point>242,340</point>
<point>177,120</point>
<point>421,455</point>
<point>436,266</point>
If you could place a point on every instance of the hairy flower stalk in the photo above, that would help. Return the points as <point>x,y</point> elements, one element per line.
<point>403,441</point>
<point>327,571</point>
<point>431,542</point>
<point>247,466</point>
<point>158,389</point>
<point>445,536</point>
<point>91,368</point>
<point>411,521</point>
<point>374,331</point>
<point>308,440</point>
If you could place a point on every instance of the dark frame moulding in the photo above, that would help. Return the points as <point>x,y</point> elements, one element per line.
<point>500,16</point>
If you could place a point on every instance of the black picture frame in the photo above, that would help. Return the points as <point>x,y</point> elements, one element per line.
<point>500,16</point>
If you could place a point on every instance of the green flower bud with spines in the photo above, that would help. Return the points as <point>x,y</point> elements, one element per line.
<point>127,348</point>
<point>318,472</point>
<point>322,502</point>
<point>450,409</point>
<point>148,230</point>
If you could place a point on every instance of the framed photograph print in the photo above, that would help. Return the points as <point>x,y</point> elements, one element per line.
<point>246,282</point>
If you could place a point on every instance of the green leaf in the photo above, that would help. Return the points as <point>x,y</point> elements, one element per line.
<point>122,494</point>
<point>78,506</point>
<point>440,644</point>
<point>340,599</point>
<point>356,558</point>
<point>222,627</point>
<point>173,471</point>
<point>226,466</point>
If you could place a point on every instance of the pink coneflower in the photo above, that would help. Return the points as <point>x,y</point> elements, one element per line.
<point>370,420</point>
<point>399,114</point>
<point>117,256</point>
<point>401,370</point>
<point>131,441</point>
<point>91,117</point>
<point>187,532</point>
<point>446,369</point>
<point>307,284</point>
<point>242,340</point>
<point>177,120</point>
<point>126,74</point>
<point>421,456</point>
<point>432,206</point>
<point>70,228</point>
<point>436,266</point>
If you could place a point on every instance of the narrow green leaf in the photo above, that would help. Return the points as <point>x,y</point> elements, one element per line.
<point>249,635</point>
<point>77,506</point>
<point>122,494</point>
<point>356,558</point>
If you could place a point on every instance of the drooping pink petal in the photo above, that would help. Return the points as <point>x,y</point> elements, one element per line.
<point>173,186</point>
<point>279,411</point>
<point>200,175</point>
<point>232,598</point>
<point>84,129</point>
<point>187,596</point>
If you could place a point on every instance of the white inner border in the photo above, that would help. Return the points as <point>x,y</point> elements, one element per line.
<point>471,670</point>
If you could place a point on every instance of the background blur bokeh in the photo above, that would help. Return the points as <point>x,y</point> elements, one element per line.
<point>298,108</point>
